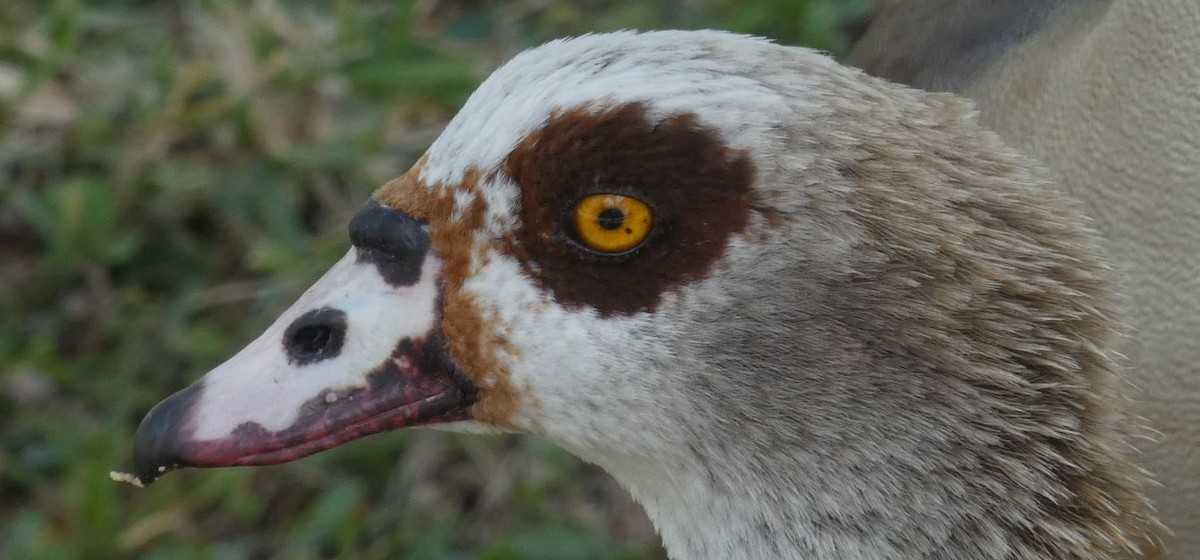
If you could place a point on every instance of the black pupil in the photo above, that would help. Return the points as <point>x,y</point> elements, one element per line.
<point>611,218</point>
<point>312,340</point>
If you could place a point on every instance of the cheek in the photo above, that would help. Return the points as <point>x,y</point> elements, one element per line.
<point>595,384</point>
<point>582,376</point>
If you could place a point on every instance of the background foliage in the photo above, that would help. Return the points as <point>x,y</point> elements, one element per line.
<point>172,175</point>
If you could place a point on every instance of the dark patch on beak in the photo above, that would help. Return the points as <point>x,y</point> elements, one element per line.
<point>393,241</point>
<point>315,336</point>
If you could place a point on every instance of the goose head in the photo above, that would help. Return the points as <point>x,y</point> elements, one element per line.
<point>797,311</point>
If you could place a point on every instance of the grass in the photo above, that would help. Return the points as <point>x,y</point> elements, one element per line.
<point>172,175</point>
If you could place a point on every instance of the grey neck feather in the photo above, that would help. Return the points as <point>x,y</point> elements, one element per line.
<point>844,460</point>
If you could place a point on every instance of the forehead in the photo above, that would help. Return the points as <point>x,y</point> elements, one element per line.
<point>708,74</point>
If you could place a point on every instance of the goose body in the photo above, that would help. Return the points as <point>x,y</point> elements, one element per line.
<point>1106,93</point>
<point>814,315</point>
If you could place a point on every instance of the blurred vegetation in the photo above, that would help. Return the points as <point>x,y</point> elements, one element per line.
<point>172,175</point>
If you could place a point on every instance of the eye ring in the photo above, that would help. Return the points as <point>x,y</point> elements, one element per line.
<point>612,224</point>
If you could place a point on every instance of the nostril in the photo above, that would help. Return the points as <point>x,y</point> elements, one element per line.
<point>315,336</point>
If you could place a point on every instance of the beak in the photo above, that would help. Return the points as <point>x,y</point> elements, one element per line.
<point>360,352</point>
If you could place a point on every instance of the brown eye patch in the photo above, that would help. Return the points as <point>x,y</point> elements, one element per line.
<point>699,190</point>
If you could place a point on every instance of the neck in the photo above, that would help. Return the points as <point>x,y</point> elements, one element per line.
<point>875,457</point>
<point>794,508</point>
<point>862,447</point>
<point>701,517</point>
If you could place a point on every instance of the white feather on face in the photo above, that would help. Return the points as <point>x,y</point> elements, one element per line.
<point>850,294</point>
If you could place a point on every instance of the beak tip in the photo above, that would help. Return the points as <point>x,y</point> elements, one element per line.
<point>157,445</point>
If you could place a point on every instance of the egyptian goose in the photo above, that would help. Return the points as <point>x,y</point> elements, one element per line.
<point>797,311</point>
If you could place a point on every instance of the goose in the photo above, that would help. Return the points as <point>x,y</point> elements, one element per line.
<point>1105,93</point>
<point>799,312</point>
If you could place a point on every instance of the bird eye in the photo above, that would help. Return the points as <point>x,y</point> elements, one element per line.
<point>612,223</point>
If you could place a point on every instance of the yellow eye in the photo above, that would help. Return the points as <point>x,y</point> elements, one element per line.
<point>611,223</point>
